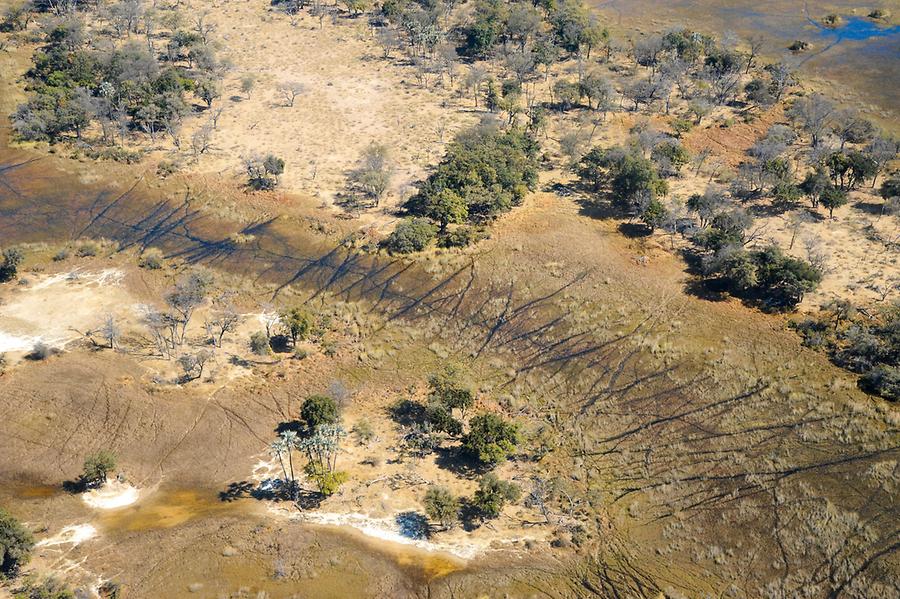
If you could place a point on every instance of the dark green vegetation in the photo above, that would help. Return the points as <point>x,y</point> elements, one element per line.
<point>492,494</point>
<point>441,505</point>
<point>130,87</point>
<point>486,172</point>
<point>318,410</point>
<point>12,258</point>
<point>863,341</point>
<point>16,544</point>
<point>97,467</point>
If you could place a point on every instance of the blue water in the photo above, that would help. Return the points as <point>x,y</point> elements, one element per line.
<point>858,29</point>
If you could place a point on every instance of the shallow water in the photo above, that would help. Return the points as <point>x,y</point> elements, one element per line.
<point>859,29</point>
<point>859,59</point>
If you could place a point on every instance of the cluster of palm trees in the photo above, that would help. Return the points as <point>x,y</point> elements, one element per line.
<point>320,447</point>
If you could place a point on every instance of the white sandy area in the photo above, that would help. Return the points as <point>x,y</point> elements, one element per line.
<point>111,496</point>
<point>74,534</point>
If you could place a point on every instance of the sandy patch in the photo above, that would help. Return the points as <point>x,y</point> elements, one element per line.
<point>58,309</point>
<point>390,529</point>
<point>74,534</point>
<point>111,496</point>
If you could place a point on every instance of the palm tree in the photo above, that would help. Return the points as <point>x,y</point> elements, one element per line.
<point>278,449</point>
<point>290,441</point>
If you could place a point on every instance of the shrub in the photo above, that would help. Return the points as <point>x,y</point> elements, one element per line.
<point>97,467</point>
<point>49,588</point>
<point>318,410</point>
<point>493,494</point>
<point>328,482</point>
<point>883,381</point>
<point>259,344</point>
<point>441,420</point>
<point>16,544</point>
<point>490,438</point>
<point>458,238</point>
<point>778,280</point>
<point>441,505</point>
<point>411,235</point>
<point>152,258</point>
<point>87,249</point>
<point>364,432</point>
<point>12,258</point>
<point>40,351</point>
<point>61,255</point>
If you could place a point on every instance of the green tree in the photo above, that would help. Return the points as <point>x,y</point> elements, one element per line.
<point>831,198</point>
<point>493,494</point>
<point>411,235</point>
<point>442,505</point>
<point>490,438</point>
<point>654,215</point>
<point>451,387</point>
<point>16,544</point>
<point>297,322</point>
<point>97,467</point>
<point>318,410</point>
<point>447,207</point>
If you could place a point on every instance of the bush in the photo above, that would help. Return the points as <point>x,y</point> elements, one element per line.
<point>364,432</point>
<point>488,169</point>
<point>87,249</point>
<point>441,420</point>
<point>490,438</point>
<point>318,410</point>
<point>883,381</point>
<point>97,467</point>
<point>259,344</point>
<point>40,351</point>
<point>16,544</point>
<point>49,588</point>
<point>61,255</point>
<point>778,280</point>
<point>327,482</point>
<point>152,259</point>
<point>411,235</point>
<point>441,505</point>
<point>459,238</point>
<point>493,494</point>
<point>12,258</point>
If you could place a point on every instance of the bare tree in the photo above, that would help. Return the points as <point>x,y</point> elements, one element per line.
<point>224,319</point>
<point>110,331</point>
<point>201,140</point>
<point>289,90</point>
<point>203,27</point>
<point>374,173</point>
<point>814,114</point>
<point>189,293</point>
<point>194,364</point>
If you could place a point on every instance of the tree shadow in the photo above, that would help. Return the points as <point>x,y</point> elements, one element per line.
<point>407,412</point>
<point>634,230</point>
<point>873,208</point>
<point>457,460</point>
<point>309,500</point>
<point>290,425</point>
<point>413,525</point>
<point>237,490</point>
<point>75,487</point>
<point>280,344</point>
<point>469,515</point>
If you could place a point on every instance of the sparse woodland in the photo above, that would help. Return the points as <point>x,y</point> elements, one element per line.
<point>586,419</point>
